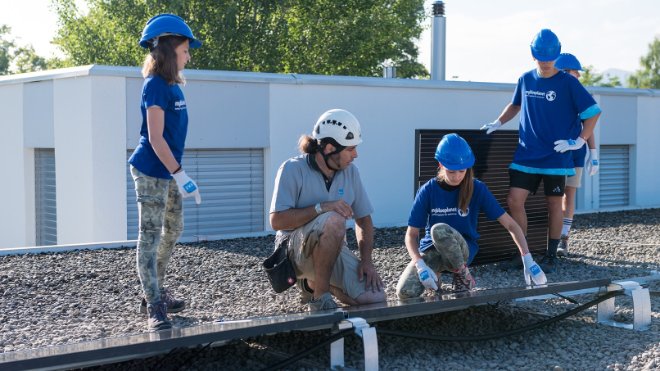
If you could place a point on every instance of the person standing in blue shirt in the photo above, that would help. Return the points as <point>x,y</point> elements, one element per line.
<point>447,208</point>
<point>570,64</point>
<point>550,102</point>
<point>160,181</point>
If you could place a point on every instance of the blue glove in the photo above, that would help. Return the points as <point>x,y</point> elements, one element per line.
<point>593,164</point>
<point>426,275</point>
<point>491,126</point>
<point>187,186</point>
<point>569,145</point>
<point>532,271</point>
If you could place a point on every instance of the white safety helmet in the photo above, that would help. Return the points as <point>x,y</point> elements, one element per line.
<point>339,125</point>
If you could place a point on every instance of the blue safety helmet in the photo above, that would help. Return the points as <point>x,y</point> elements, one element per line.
<point>545,46</point>
<point>454,152</point>
<point>567,61</point>
<point>166,24</point>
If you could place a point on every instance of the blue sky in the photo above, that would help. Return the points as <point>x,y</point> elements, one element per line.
<point>487,40</point>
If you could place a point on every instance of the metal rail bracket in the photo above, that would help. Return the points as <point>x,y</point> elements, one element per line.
<point>369,341</point>
<point>641,306</point>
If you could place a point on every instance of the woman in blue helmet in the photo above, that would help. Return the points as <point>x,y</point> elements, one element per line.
<point>160,181</point>
<point>446,208</point>
<point>568,63</point>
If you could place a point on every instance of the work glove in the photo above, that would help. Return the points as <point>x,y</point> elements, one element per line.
<point>492,126</point>
<point>187,186</point>
<point>569,145</point>
<point>426,275</point>
<point>532,271</point>
<point>593,164</point>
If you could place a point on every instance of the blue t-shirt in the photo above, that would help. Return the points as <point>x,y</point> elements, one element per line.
<point>157,92</point>
<point>433,205</point>
<point>549,110</point>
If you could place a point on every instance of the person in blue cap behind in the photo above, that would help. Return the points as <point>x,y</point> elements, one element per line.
<point>160,180</point>
<point>446,208</point>
<point>551,103</point>
<point>568,63</point>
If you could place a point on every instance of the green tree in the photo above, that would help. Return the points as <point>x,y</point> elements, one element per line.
<point>590,78</point>
<point>348,37</point>
<point>6,47</point>
<point>648,77</point>
<point>27,60</point>
<point>17,59</point>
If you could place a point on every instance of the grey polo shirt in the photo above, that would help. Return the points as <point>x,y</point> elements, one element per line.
<point>299,185</point>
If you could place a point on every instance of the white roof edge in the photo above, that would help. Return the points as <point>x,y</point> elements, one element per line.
<point>298,79</point>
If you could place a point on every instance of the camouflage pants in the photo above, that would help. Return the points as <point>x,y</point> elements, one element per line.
<point>161,223</point>
<point>450,252</point>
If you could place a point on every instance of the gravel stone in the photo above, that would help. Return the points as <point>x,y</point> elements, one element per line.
<point>68,297</point>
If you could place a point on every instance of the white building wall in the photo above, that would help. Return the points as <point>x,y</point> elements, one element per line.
<point>91,116</point>
<point>17,180</point>
<point>647,152</point>
<point>90,159</point>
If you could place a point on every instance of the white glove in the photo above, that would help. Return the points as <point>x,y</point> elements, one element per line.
<point>491,126</point>
<point>569,145</point>
<point>426,275</point>
<point>593,164</point>
<point>187,186</point>
<point>532,271</point>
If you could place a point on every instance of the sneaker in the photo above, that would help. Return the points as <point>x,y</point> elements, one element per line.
<point>174,305</point>
<point>549,264</point>
<point>158,317</point>
<point>462,280</point>
<point>325,302</point>
<point>562,249</point>
<point>306,292</point>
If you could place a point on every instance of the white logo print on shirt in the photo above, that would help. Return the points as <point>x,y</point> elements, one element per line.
<point>549,96</point>
<point>447,211</point>
<point>179,105</point>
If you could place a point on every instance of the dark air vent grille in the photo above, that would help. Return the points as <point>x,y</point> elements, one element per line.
<point>493,154</point>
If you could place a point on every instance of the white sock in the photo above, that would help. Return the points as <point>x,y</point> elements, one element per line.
<point>566,228</point>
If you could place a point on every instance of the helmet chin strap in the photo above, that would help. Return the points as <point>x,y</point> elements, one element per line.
<point>327,156</point>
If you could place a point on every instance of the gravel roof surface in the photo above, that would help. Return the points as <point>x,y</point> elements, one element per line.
<point>60,298</point>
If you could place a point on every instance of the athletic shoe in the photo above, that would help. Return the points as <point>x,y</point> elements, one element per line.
<point>306,292</point>
<point>462,280</point>
<point>562,249</point>
<point>325,302</point>
<point>158,317</point>
<point>549,264</point>
<point>173,304</point>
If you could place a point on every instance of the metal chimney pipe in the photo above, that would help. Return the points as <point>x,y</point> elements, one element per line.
<point>438,41</point>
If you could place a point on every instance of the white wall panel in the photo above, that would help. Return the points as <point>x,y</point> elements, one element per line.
<point>90,115</point>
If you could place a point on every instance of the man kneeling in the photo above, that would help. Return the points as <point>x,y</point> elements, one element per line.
<point>315,194</point>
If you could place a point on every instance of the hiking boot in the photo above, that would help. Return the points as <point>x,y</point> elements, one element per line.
<point>325,302</point>
<point>174,305</point>
<point>549,264</point>
<point>562,249</point>
<point>306,292</point>
<point>158,317</point>
<point>462,280</point>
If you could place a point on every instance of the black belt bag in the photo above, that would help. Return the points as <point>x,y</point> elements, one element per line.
<point>279,268</point>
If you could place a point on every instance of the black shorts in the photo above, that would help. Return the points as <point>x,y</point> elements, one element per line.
<point>553,185</point>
